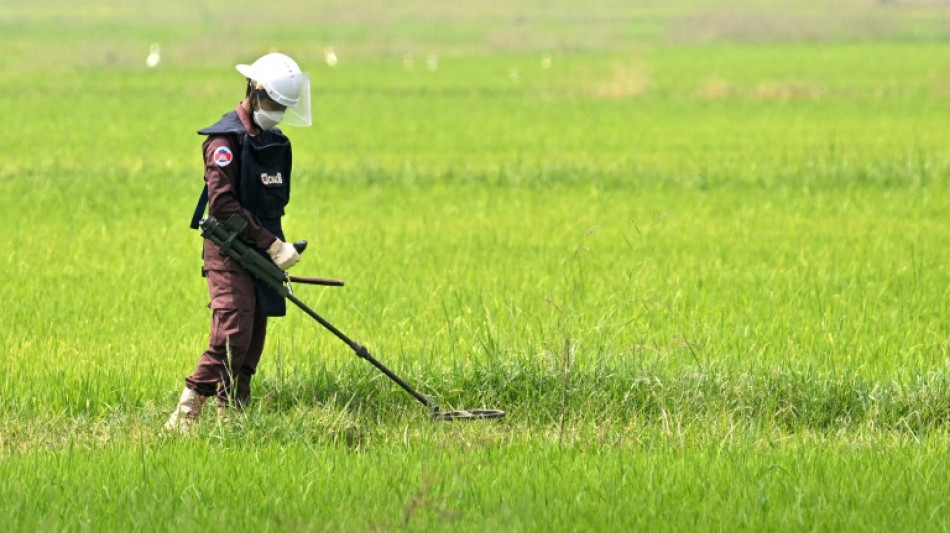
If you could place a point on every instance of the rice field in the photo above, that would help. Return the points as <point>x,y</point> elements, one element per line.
<point>698,257</point>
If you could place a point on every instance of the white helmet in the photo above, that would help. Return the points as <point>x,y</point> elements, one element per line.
<point>284,83</point>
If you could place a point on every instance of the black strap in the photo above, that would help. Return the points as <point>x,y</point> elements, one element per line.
<point>200,208</point>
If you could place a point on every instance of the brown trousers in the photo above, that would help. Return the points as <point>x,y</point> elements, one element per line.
<point>236,340</point>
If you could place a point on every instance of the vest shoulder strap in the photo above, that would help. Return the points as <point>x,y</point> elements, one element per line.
<point>229,123</point>
<point>200,208</point>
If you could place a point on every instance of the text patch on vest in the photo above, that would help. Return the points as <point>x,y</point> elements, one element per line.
<point>272,179</point>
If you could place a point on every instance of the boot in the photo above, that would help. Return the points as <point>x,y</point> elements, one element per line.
<point>187,411</point>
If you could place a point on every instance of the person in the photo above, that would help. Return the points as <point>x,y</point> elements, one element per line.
<point>247,171</point>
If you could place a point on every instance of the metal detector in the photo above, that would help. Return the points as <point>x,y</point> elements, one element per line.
<point>225,237</point>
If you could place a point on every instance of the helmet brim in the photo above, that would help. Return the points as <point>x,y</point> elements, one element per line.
<point>247,71</point>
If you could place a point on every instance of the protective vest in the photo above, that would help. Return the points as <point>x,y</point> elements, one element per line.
<point>263,189</point>
<point>266,162</point>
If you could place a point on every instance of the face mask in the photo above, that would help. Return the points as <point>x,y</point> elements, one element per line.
<point>268,119</point>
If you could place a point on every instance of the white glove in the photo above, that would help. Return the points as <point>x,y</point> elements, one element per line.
<point>283,254</point>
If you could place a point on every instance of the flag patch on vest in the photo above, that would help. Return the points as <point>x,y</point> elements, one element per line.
<point>222,156</point>
<point>275,179</point>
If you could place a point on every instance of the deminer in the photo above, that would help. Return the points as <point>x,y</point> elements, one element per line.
<point>247,171</point>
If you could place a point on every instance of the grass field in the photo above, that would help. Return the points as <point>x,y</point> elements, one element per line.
<point>698,256</point>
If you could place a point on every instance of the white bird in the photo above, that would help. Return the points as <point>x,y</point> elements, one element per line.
<point>154,56</point>
<point>330,56</point>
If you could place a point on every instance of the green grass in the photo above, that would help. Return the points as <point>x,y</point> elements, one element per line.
<point>704,271</point>
<point>488,484</point>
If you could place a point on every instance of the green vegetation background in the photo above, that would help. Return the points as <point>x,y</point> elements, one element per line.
<point>698,255</point>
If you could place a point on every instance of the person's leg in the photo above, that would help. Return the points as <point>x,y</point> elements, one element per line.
<point>232,326</point>
<point>230,339</point>
<point>251,360</point>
